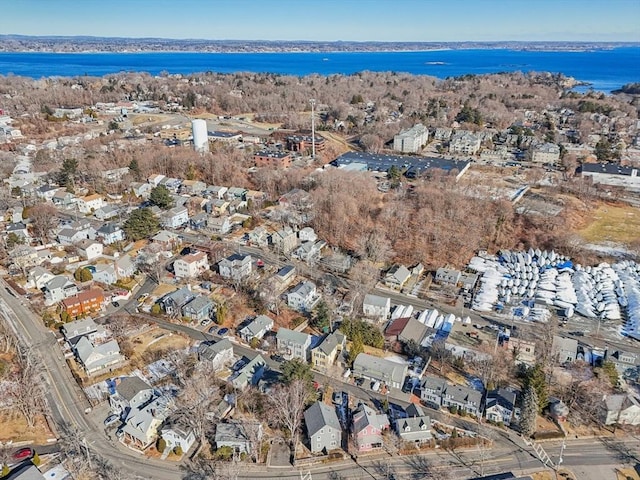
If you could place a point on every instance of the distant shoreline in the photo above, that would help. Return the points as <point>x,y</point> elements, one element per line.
<point>94,45</point>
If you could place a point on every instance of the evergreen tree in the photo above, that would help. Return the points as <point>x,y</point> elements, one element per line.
<point>536,379</point>
<point>134,168</point>
<point>529,413</point>
<point>161,197</point>
<point>296,370</point>
<point>142,223</point>
<point>357,347</point>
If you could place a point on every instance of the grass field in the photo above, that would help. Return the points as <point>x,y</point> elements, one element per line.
<point>612,223</point>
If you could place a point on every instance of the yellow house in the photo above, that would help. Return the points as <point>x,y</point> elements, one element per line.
<point>324,355</point>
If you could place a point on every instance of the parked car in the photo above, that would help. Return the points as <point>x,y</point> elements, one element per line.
<point>205,322</point>
<point>116,304</point>
<point>337,398</point>
<point>212,329</point>
<point>23,454</point>
<point>277,358</point>
<point>111,420</point>
<point>223,331</point>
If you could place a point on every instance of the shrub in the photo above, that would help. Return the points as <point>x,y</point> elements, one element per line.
<point>224,453</point>
<point>178,450</point>
<point>36,459</point>
<point>155,309</point>
<point>161,445</point>
<point>453,409</point>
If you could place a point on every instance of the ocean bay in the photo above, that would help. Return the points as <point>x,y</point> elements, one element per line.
<point>604,70</point>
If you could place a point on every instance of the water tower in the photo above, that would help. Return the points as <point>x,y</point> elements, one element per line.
<point>200,135</point>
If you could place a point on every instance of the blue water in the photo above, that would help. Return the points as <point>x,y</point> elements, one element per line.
<point>606,70</point>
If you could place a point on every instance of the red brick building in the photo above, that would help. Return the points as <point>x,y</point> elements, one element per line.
<point>267,158</point>
<point>89,301</point>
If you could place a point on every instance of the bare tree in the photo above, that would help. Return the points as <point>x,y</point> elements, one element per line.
<point>287,404</point>
<point>26,389</point>
<point>43,220</point>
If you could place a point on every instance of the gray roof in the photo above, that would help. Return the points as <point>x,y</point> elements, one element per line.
<point>414,428</point>
<point>414,410</point>
<point>231,433</point>
<point>464,394</point>
<point>436,384</point>
<point>329,343</point>
<point>413,330</point>
<point>610,168</point>
<point>379,368</point>
<point>58,281</point>
<point>129,387</point>
<point>209,351</point>
<point>375,300</point>
<point>364,416</point>
<point>503,397</point>
<point>383,162</point>
<point>259,323</point>
<point>199,303</point>
<point>399,273</point>
<point>291,336</point>
<point>319,415</point>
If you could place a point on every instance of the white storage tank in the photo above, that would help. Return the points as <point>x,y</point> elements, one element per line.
<point>200,135</point>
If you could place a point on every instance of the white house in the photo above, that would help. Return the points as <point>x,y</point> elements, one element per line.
<point>38,277</point>
<point>191,265</point>
<point>177,434</point>
<point>110,233</point>
<point>105,273</point>
<point>96,358</point>
<point>376,307</point>
<point>500,406</point>
<point>235,267</point>
<point>293,344</point>
<point>125,266</point>
<point>175,217</point>
<point>88,249</point>
<point>411,140</point>
<point>303,297</point>
<point>218,354</point>
<point>90,203</point>
<point>257,328</point>
<point>59,288</point>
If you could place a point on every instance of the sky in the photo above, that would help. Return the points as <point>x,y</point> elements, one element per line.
<point>329,20</point>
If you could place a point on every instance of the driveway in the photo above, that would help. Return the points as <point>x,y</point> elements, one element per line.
<point>280,454</point>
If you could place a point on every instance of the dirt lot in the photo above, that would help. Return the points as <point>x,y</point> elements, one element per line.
<point>154,340</point>
<point>612,223</point>
<point>15,428</point>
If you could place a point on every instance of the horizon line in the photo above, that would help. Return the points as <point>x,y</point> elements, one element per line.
<point>589,42</point>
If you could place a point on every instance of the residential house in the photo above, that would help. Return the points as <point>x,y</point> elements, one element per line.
<point>397,276</point>
<point>415,427</point>
<point>236,267</point>
<point>376,307</point>
<point>64,199</point>
<point>86,327</point>
<point>432,389</point>
<point>125,267</point>
<point>71,236</point>
<point>285,275</point>
<point>500,406</point>
<point>464,143</point>
<point>96,358</point>
<point>141,426</point>
<point>173,302</point>
<point>105,273</point>
<point>154,180</point>
<point>387,372</point>
<point>394,329</point>
<point>59,288</point>
<point>88,249</point>
<point>84,303</point>
<point>19,229</point>
<point>564,349</point>
<point>236,193</point>
<point>192,187</point>
<point>448,276</point>
<point>46,192</point>
<point>218,354</point>
<point>323,428</point>
<point>110,233</point>
<point>293,344</point>
<point>199,221</point>
<point>107,212</point>
<point>442,134</point>
<point>38,277</point>
<point>307,234</point>
<point>24,257</point>
<point>325,354</point>
<point>219,225</point>
<point>524,351</point>
<point>198,309</point>
<point>216,191</point>
<point>238,436</point>
<point>257,328</point>
<point>191,265</point>
<point>303,297</point>
<point>258,237</point>
<point>621,409</point>
<point>626,363</point>
<point>309,251</point>
<point>284,240</point>
<point>175,217</point>
<point>464,398</point>
<point>177,433</point>
<point>217,206</point>
<point>141,190</point>
<point>249,374</point>
<point>166,240</point>
<point>172,184</point>
<point>367,428</point>
<point>130,393</point>
<point>90,203</point>
<point>255,198</point>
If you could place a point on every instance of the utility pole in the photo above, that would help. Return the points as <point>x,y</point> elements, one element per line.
<point>312,101</point>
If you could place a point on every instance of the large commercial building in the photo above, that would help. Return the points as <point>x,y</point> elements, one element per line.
<point>411,166</point>
<point>612,174</point>
<point>411,140</point>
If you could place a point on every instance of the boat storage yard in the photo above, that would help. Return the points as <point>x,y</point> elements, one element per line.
<point>535,284</point>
